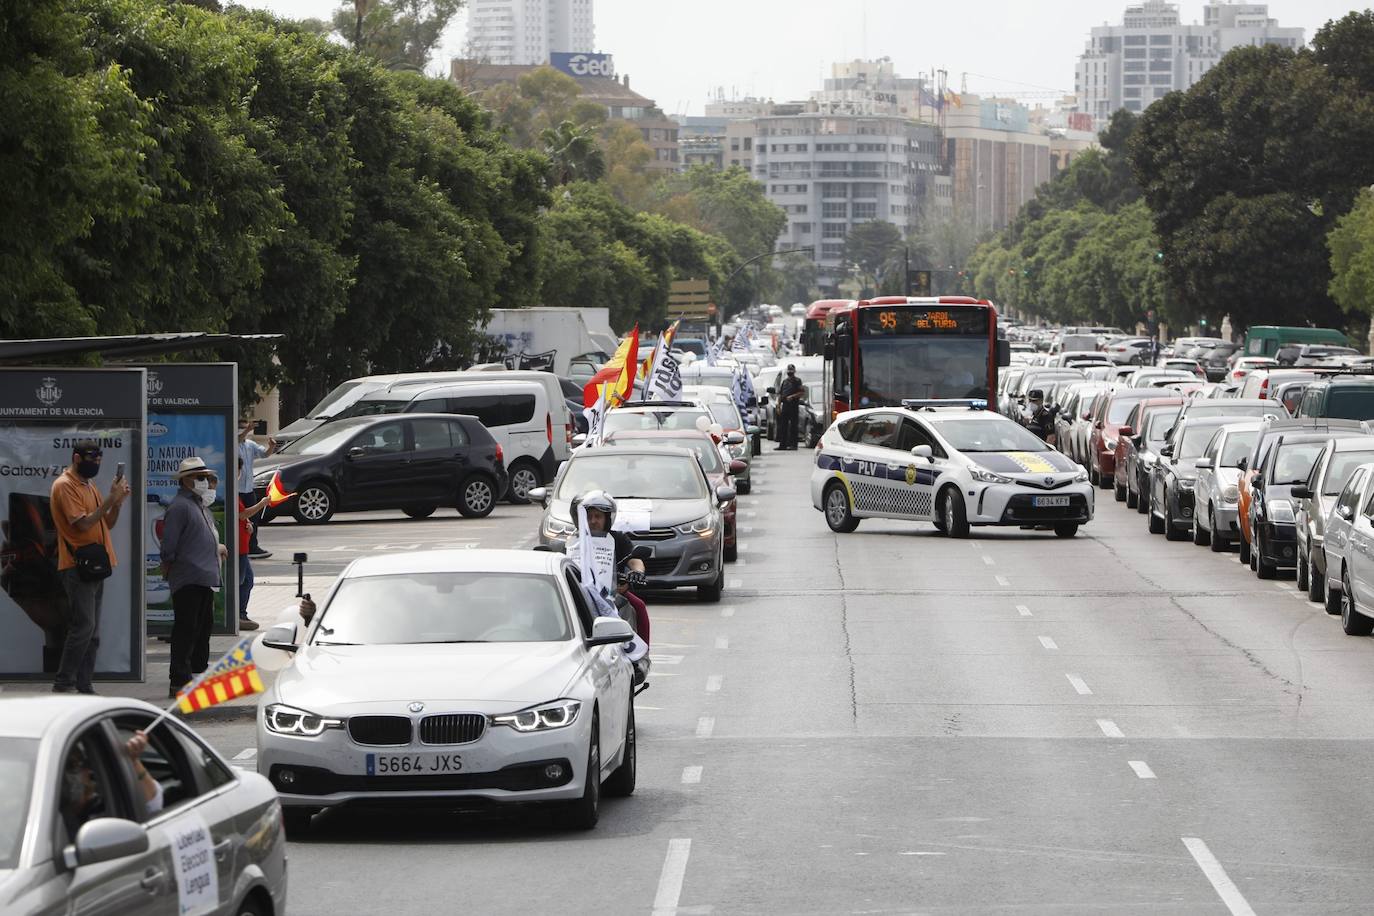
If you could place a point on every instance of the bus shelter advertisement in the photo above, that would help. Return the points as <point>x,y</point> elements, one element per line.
<point>43,413</point>
<point>190,414</point>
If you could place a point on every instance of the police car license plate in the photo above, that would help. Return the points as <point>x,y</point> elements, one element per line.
<point>1045,502</point>
<point>413,764</point>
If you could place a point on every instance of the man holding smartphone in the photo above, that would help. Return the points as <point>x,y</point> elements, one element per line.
<point>250,451</point>
<point>82,518</point>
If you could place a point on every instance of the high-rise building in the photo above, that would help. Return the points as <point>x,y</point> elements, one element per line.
<point>526,32</point>
<point>1153,53</point>
<point>996,159</point>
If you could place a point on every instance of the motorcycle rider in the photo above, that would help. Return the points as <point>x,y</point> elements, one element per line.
<point>609,558</point>
<point>1041,418</point>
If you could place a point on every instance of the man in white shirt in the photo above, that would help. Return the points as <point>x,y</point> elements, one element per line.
<point>250,451</point>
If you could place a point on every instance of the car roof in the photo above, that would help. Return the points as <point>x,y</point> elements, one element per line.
<point>34,717</point>
<point>481,561</point>
<point>419,393</point>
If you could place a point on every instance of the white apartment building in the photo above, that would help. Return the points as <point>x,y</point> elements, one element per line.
<point>1153,53</point>
<point>832,172</point>
<point>525,32</point>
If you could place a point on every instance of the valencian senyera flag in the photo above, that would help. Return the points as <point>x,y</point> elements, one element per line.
<point>233,676</point>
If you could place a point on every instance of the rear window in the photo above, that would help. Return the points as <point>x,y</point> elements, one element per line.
<point>495,409</point>
<point>1350,403</point>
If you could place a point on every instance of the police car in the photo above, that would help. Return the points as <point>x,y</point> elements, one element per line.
<point>953,463</point>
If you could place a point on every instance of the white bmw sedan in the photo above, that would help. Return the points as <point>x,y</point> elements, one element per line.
<point>460,676</point>
<point>954,466</point>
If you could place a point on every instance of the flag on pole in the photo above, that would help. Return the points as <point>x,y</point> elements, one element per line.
<point>741,342</point>
<point>713,351</point>
<point>625,381</point>
<point>596,421</point>
<point>665,384</point>
<point>234,675</point>
<point>611,374</point>
<point>276,493</point>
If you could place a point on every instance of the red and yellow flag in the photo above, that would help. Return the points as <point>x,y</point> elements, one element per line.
<point>235,675</point>
<point>276,493</point>
<point>617,376</point>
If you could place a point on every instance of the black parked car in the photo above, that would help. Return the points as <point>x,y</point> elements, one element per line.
<point>413,462</point>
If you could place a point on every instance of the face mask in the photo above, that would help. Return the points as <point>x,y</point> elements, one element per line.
<point>87,468</point>
<point>202,489</point>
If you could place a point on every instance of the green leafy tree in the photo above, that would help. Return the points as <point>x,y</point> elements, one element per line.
<point>1351,244</point>
<point>574,154</point>
<point>398,34</point>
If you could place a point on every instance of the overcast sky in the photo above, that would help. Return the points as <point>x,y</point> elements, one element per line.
<point>679,53</point>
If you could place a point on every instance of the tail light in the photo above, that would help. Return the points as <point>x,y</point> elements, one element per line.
<point>500,455</point>
<point>568,433</point>
<point>548,427</point>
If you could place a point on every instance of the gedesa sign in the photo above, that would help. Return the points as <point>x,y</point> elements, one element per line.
<point>581,64</point>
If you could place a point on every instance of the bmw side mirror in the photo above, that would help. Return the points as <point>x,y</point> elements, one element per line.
<point>282,636</point>
<point>725,494</point>
<point>609,631</point>
<point>539,495</point>
<point>923,451</point>
<point>105,839</point>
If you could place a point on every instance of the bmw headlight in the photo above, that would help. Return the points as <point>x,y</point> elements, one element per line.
<point>701,526</point>
<point>288,720</point>
<point>546,716</point>
<point>987,476</point>
<point>1281,510</point>
<point>557,528</point>
<point>1230,495</point>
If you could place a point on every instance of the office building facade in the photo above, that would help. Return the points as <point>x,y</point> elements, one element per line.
<point>1152,53</point>
<point>523,32</point>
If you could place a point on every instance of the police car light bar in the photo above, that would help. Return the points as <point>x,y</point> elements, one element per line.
<point>970,403</point>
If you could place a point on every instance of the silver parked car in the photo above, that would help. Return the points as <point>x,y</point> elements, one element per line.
<point>664,502</point>
<point>466,676</point>
<point>1218,481</point>
<point>1315,500</point>
<point>84,830</point>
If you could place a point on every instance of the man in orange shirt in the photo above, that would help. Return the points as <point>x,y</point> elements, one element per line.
<point>82,517</point>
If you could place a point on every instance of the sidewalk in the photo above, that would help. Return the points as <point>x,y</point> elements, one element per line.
<point>272,599</point>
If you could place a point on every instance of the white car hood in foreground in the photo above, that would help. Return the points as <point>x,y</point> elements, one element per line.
<point>325,679</point>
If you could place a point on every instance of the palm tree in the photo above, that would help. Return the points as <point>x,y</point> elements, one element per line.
<point>574,153</point>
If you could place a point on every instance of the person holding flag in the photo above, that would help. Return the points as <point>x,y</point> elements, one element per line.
<point>246,528</point>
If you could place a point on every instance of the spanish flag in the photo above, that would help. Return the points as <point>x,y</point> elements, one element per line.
<point>617,376</point>
<point>233,676</point>
<point>276,493</point>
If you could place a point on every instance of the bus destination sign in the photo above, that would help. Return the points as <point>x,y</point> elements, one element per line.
<point>902,320</point>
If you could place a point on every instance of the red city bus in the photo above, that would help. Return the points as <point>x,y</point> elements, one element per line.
<point>814,327</point>
<point>882,351</point>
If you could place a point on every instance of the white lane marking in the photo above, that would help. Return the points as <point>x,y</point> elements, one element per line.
<point>1142,769</point>
<point>722,642</point>
<point>1078,684</point>
<point>1280,586</point>
<point>1109,728</point>
<point>1002,581</point>
<point>920,853</point>
<point>741,561</point>
<point>670,879</point>
<point>727,611</point>
<point>745,529</point>
<point>247,753</point>
<point>750,514</point>
<point>705,725</point>
<point>1221,882</point>
<point>975,545</point>
<point>691,776</point>
<point>742,546</point>
<point>735,583</point>
<point>666,659</point>
<point>1048,643</point>
<point>713,683</point>
<point>989,560</point>
<point>1023,610</point>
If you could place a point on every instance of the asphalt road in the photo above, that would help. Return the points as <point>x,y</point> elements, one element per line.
<point>893,722</point>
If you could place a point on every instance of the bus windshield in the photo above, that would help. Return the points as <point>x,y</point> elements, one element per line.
<point>944,366</point>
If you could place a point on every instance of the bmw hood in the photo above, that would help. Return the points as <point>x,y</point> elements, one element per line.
<point>663,513</point>
<point>326,679</point>
<point>1021,463</point>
